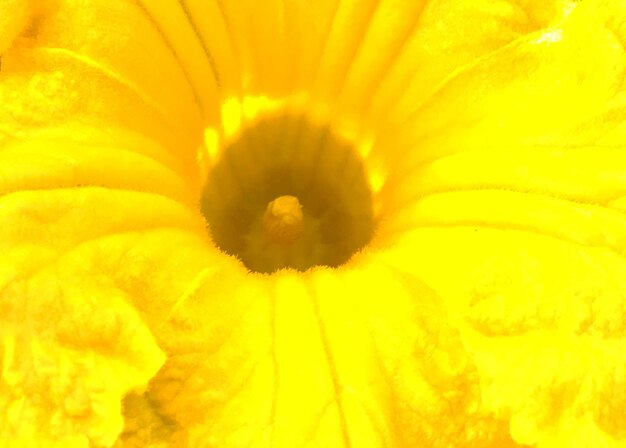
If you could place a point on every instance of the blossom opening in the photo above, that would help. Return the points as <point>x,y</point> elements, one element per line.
<point>288,193</point>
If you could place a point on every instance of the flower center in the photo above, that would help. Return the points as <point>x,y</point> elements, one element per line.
<point>283,221</point>
<point>287,193</point>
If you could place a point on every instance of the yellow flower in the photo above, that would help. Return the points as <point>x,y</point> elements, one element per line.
<point>416,223</point>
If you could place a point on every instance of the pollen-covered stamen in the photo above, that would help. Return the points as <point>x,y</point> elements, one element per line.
<point>283,221</point>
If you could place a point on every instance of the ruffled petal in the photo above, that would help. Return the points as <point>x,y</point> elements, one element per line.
<point>516,214</point>
<point>72,343</point>
<point>83,229</point>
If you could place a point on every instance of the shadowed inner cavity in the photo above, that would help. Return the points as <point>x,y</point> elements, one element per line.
<point>284,175</point>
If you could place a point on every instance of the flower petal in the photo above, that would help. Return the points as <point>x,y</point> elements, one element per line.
<point>550,88</point>
<point>364,356</point>
<point>318,359</point>
<point>57,73</point>
<point>517,214</point>
<point>14,16</point>
<point>353,54</point>
<point>63,372</point>
<point>78,242</point>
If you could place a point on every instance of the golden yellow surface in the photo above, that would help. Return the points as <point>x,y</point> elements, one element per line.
<point>487,311</point>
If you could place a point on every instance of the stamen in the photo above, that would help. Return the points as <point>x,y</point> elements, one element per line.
<point>283,221</point>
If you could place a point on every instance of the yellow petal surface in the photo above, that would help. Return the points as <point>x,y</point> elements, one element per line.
<point>488,310</point>
<point>73,343</point>
<point>55,73</point>
<point>520,210</point>
<point>15,15</point>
